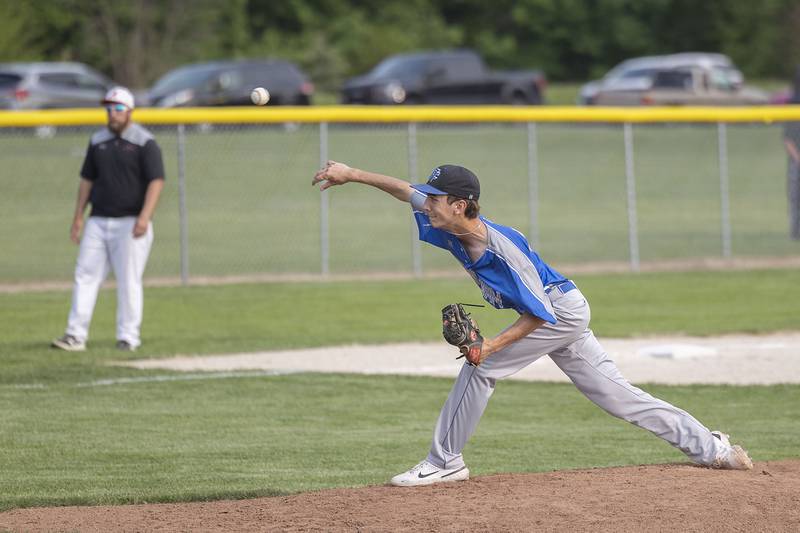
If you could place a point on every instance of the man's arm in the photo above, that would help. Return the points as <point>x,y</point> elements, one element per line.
<point>524,326</point>
<point>151,197</point>
<point>338,174</point>
<point>84,189</point>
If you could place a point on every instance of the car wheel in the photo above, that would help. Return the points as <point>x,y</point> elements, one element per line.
<point>520,98</point>
<point>517,98</point>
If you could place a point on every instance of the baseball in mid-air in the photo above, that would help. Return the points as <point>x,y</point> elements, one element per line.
<point>259,96</point>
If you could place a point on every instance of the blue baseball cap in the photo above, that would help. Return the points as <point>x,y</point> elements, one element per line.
<point>453,180</point>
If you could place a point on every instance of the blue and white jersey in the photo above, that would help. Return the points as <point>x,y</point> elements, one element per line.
<point>509,273</point>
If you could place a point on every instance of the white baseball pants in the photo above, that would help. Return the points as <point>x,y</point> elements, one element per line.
<point>576,351</point>
<point>108,244</point>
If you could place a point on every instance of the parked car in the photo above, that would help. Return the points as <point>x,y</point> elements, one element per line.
<point>442,77</point>
<point>226,83</point>
<point>686,86</point>
<point>637,73</point>
<point>47,85</point>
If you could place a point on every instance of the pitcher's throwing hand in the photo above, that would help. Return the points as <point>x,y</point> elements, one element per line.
<point>333,173</point>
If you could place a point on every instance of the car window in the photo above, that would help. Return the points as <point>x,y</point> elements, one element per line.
<point>283,73</point>
<point>9,80</point>
<point>400,67</point>
<point>60,79</point>
<point>639,73</point>
<point>618,70</point>
<point>460,67</point>
<point>673,79</point>
<point>184,78</point>
<point>288,72</point>
<point>88,81</point>
<point>226,80</point>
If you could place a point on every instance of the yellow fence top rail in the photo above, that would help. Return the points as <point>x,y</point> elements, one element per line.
<point>381,114</point>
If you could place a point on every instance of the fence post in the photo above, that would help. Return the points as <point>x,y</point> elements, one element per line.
<point>724,189</point>
<point>630,178</point>
<point>324,227</point>
<point>533,185</point>
<point>182,213</point>
<point>416,252</point>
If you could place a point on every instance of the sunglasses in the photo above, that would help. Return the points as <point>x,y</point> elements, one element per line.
<point>116,107</point>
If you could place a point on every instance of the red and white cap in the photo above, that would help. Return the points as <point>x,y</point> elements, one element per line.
<point>119,95</point>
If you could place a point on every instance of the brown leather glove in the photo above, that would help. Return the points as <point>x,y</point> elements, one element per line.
<point>460,329</point>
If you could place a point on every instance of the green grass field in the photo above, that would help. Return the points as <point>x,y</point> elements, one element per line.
<point>76,430</point>
<point>251,208</point>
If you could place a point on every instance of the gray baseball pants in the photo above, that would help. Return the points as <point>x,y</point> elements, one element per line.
<point>576,351</point>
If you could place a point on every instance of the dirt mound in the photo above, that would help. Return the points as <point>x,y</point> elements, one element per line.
<point>673,497</point>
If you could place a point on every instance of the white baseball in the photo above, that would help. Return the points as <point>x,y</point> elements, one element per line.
<point>259,96</point>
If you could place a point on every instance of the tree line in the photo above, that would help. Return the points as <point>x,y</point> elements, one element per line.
<point>136,41</point>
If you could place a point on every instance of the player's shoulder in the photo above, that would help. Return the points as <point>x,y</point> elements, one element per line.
<point>137,134</point>
<point>506,232</point>
<point>101,136</point>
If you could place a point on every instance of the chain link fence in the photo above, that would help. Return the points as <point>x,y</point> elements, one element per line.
<point>238,201</point>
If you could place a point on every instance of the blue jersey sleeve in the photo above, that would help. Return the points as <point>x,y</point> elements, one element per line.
<point>427,233</point>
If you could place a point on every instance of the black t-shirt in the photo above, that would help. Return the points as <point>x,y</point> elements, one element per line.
<point>120,168</point>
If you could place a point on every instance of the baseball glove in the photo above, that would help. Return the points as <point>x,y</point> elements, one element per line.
<point>459,329</point>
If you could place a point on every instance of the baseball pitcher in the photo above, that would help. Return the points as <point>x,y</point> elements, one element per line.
<point>553,320</point>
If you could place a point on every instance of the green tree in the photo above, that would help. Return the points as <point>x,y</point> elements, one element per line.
<point>138,40</point>
<point>16,42</point>
<point>333,40</point>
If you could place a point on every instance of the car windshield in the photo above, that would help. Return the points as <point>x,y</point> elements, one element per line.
<point>726,77</point>
<point>399,67</point>
<point>183,78</point>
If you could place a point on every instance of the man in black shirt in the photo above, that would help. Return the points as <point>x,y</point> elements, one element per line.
<point>122,177</point>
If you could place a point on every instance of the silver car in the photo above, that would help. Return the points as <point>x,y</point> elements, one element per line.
<point>637,74</point>
<point>47,85</point>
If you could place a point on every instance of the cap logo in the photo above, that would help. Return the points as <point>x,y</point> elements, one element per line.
<point>435,174</point>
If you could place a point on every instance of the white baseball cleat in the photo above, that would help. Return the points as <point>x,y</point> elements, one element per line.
<point>69,343</point>
<point>426,473</point>
<point>733,458</point>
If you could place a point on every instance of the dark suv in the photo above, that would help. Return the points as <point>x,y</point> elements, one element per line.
<point>225,83</point>
<point>50,85</point>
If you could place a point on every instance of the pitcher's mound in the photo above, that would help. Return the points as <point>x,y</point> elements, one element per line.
<point>674,497</point>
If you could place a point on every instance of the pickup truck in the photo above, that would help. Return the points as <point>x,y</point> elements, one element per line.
<point>443,77</point>
<point>685,86</point>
